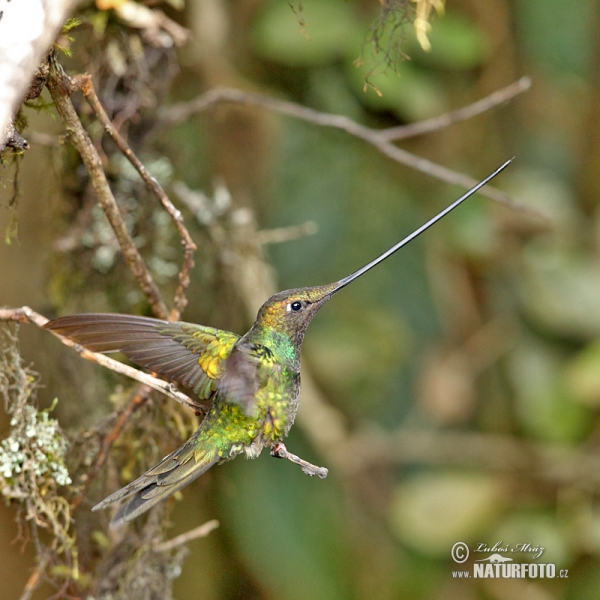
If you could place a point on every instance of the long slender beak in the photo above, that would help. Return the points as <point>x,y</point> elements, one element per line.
<point>409,238</point>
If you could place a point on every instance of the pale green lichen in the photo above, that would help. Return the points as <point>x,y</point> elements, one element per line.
<point>35,442</point>
<point>35,447</point>
<point>32,462</point>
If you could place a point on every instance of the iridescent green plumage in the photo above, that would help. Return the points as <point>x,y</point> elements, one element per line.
<point>253,381</point>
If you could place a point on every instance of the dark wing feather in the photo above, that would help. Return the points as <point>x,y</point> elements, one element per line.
<point>193,355</point>
<point>171,474</point>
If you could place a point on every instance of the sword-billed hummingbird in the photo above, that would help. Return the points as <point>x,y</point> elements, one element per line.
<point>253,381</point>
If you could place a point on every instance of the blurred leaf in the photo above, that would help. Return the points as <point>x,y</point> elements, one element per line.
<point>474,233</point>
<point>329,92</point>
<point>561,292</point>
<point>544,405</point>
<point>12,229</point>
<point>100,538</point>
<point>411,93</point>
<point>456,43</point>
<point>547,191</point>
<point>589,525</point>
<point>536,529</point>
<point>432,511</point>
<point>447,387</point>
<point>582,375</point>
<point>332,32</point>
<point>585,582</point>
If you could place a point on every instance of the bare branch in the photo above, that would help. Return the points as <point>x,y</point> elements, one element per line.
<point>461,114</point>
<point>84,82</point>
<point>279,235</point>
<point>61,87</point>
<point>27,315</point>
<point>380,139</point>
<point>554,463</point>
<point>280,451</point>
<point>198,532</point>
<point>34,579</point>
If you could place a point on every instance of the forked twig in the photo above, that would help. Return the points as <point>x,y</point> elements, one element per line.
<point>379,138</point>
<point>496,98</point>
<point>198,532</point>
<point>61,87</point>
<point>84,83</point>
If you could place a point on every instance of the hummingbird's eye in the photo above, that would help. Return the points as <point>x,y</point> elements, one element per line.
<point>296,306</point>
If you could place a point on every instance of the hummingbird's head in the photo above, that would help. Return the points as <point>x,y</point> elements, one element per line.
<point>291,311</point>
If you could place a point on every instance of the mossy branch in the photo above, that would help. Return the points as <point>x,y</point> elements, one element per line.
<point>61,87</point>
<point>32,468</point>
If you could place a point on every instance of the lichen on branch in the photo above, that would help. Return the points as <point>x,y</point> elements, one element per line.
<point>32,463</point>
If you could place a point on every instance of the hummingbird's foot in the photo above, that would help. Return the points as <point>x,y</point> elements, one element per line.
<point>280,451</point>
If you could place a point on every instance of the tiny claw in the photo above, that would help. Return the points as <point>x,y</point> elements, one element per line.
<point>279,450</point>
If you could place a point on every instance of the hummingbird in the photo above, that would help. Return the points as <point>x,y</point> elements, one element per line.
<point>252,381</point>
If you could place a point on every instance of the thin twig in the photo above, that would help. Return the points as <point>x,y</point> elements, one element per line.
<point>33,581</point>
<point>280,451</point>
<point>496,98</point>
<point>554,463</point>
<point>279,235</point>
<point>198,532</point>
<point>27,315</point>
<point>108,440</point>
<point>377,138</point>
<point>84,82</point>
<point>61,87</point>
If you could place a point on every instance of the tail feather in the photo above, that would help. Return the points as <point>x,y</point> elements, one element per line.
<point>173,473</point>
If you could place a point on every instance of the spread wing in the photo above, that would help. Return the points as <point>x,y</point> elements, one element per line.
<point>193,355</point>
